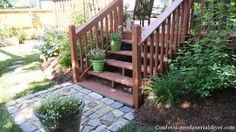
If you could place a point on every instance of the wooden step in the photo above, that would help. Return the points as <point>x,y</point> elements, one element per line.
<point>130,42</point>
<point>114,77</point>
<point>128,53</point>
<point>125,65</point>
<point>108,92</point>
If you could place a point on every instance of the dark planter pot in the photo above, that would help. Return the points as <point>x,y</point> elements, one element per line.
<point>68,124</point>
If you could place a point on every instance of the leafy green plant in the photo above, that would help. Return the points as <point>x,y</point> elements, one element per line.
<point>163,89</point>
<point>59,107</point>
<point>5,4</point>
<point>13,32</point>
<point>116,36</point>
<point>207,63</point>
<point>96,54</point>
<point>50,42</point>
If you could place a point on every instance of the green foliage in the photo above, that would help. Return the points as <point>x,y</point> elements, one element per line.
<point>116,36</point>
<point>5,4</point>
<point>51,41</point>
<point>65,53</point>
<point>134,127</point>
<point>13,32</point>
<point>207,63</point>
<point>163,89</point>
<point>59,107</point>
<point>96,54</point>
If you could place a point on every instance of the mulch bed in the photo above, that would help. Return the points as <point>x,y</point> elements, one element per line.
<point>54,72</point>
<point>218,110</point>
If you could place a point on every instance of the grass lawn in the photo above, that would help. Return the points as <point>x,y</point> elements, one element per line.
<point>134,127</point>
<point>20,75</point>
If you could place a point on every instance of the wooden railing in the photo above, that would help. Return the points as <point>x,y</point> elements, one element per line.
<point>158,42</point>
<point>94,34</point>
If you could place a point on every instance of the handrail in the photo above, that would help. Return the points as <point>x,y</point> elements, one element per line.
<point>155,24</point>
<point>103,13</point>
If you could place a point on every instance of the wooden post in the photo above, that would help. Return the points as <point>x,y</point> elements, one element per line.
<point>74,58</point>
<point>136,60</point>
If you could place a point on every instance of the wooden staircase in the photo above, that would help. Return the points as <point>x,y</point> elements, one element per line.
<point>142,55</point>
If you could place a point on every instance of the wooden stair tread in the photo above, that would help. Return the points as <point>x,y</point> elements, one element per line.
<point>115,77</point>
<point>108,91</point>
<point>125,65</point>
<point>130,42</point>
<point>121,64</point>
<point>129,53</point>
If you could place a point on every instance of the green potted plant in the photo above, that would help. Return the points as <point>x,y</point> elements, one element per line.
<point>115,40</point>
<point>60,113</point>
<point>97,57</point>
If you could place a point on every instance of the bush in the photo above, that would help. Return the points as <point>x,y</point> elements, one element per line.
<point>59,107</point>
<point>65,53</point>
<point>163,89</point>
<point>116,36</point>
<point>50,42</point>
<point>205,68</point>
<point>13,32</point>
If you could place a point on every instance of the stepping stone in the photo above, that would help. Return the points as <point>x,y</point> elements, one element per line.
<point>95,95</point>
<point>117,113</point>
<point>107,101</point>
<point>27,127</point>
<point>118,124</point>
<point>129,116</point>
<point>116,105</point>
<point>108,117</point>
<point>126,109</point>
<point>94,122</point>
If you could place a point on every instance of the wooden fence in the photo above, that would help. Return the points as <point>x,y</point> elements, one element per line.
<point>26,18</point>
<point>86,8</point>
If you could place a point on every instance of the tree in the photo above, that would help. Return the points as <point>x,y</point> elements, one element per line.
<point>5,4</point>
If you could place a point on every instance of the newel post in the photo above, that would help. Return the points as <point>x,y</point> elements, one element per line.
<point>74,58</point>
<point>136,60</point>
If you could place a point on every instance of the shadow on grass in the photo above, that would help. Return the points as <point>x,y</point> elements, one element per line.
<point>25,60</point>
<point>35,87</point>
<point>8,54</point>
<point>6,122</point>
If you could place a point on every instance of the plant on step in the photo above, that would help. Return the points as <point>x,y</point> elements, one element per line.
<point>163,89</point>
<point>60,112</point>
<point>97,57</point>
<point>115,41</point>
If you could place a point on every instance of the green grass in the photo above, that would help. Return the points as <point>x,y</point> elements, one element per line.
<point>20,75</point>
<point>133,127</point>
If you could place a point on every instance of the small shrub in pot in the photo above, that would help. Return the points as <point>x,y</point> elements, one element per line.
<point>115,41</point>
<point>60,113</point>
<point>97,57</point>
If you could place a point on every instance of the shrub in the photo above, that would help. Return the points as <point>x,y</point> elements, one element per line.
<point>163,89</point>
<point>65,53</point>
<point>116,36</point>
<point>50,42</point>
<point>59,107</point>
<point>13,32</point>
<point>96,54</point>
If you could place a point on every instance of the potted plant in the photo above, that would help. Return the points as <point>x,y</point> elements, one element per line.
<point>115,40</point>
<point>97,57</point>
<point>60,113</point>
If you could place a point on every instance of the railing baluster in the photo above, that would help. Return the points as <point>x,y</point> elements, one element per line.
<point>102,34</point>
<point>96,34</point>
<point>145,58</point>
<point>107,33</point>
<point>111,22</point>
<point>115,20</point>
<point>81,53</point>
<point>162,47</point>
<point>172,35</point>
<point>91,38</point>
<point>157,35</point>
<point>151,55</point>
<point>86,50</point>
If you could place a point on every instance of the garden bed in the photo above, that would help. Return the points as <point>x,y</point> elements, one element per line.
<point>218,110</point>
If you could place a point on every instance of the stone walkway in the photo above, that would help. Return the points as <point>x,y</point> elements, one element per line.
<point>101,114</point>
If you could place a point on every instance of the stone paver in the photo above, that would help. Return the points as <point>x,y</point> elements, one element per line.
<point>101,114</point>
